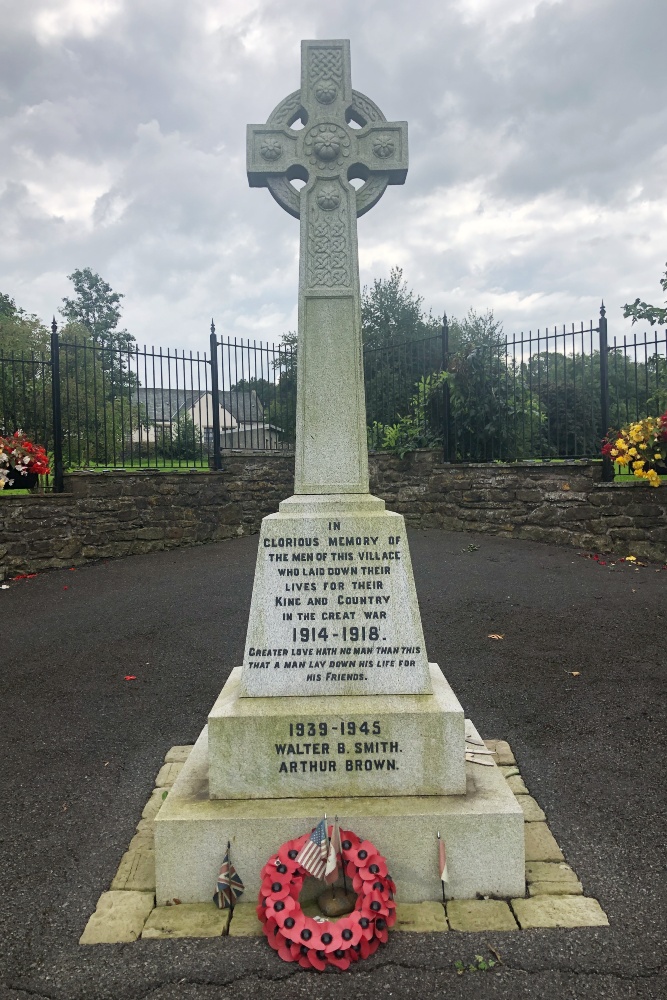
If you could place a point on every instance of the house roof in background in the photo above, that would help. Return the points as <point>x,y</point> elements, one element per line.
<point>164,405</point>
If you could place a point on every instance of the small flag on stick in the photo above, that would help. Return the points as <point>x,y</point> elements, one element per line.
<point>335,848</point>
<point>315,852</point>
<point>229,885</point>
<point>442,860</point>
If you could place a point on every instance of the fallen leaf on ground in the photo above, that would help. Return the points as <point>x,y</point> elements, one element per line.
<point>24,576</point>
<point>130,677</point>
<point>574,673</point>
<point>494,636</point>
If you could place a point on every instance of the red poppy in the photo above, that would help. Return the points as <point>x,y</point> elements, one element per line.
<point>381,930</point>
<point>369,947</point>
<point>276,885</point>
<point>318,960</point>
<point>350,931</point>
<point>366,927</point>
<point>285,952</point>
<point>289,851</point>
<point>361,853</point>
<point>358,883</point>
<point>328,937</point>
<point>309,932</point>
<point>291,923</point>
<point>374,867</point>
<point>276,906</point>
<point>304,959</point>
<point>339,958</point>
<point>375,905</point>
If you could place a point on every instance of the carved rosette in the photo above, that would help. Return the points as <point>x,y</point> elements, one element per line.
<point>271,149</point>
<point>326,91</point>
<point>328,197</point>
<point>383,146</point>
<point>327,145</point>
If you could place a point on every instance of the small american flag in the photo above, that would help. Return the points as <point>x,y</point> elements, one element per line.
<point>229,885</point>
<point>314,853</point>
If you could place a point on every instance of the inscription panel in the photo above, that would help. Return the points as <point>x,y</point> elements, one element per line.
<point>334,609</point>
<point>379,745</point>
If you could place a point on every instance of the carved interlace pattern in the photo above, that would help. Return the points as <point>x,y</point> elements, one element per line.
<point>325,65</point>
<point>365,108</point>
<point>328,250</point>
<point>287,111</point>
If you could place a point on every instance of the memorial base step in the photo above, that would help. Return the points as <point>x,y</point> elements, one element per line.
<point>369,745</point>
<point>483,832</point>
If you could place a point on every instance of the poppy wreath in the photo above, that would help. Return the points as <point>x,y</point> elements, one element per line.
<point>314,944</point>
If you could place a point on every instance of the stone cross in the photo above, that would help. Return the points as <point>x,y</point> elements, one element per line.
<point>327,153</point>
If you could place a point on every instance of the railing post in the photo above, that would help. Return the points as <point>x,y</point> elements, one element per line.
<point>215,400</point>
<point>607,464</point>
<point>58,481</point>
<point>446,409</point>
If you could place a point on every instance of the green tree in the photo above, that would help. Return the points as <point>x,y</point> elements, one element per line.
<point>96,308</point>
<point>25,373</point>
<point>20,331</point>
<point>392,314</point>
<point>493,416</point>
<point>642,310</point>
<point>401,345</point>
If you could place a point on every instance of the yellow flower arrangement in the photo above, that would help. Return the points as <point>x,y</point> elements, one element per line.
<point>640,445</point>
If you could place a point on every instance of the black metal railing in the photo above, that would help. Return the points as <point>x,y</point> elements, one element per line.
<point>551,394</point>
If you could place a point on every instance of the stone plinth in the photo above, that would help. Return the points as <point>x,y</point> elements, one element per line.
<point>334,608</point>
<point>332,745</point>
<point>483,832</point>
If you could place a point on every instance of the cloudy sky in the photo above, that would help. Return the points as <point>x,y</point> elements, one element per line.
<point>538,154</point>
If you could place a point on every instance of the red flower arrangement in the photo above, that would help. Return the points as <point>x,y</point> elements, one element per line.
<point>314,944</point>
<point>20,457</point>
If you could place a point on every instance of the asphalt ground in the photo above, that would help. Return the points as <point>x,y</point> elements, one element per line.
<point>82,746</point>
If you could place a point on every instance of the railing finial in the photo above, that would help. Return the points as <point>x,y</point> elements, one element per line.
<point>212,325</point>
<point>54,326</point>
<point>603,311</point>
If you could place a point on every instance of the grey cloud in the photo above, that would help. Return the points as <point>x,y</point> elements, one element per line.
<point>563,108</point>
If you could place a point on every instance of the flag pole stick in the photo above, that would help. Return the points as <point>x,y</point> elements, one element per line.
<point>342,859</point>
<point>444,901</point>
<point>231,891</point>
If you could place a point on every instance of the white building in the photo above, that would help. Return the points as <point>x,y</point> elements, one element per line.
<point>242,422</point>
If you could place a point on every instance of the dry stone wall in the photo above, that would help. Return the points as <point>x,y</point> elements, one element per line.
<point>111,514</point>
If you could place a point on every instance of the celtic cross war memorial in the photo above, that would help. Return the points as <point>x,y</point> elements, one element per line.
<point>335,708</point>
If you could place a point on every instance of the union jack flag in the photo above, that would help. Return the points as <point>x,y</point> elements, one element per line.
<point>314,853</point>
<point>229,885</point>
